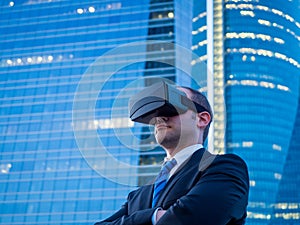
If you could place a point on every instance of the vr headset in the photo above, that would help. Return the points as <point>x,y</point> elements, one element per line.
<point>160,99</point>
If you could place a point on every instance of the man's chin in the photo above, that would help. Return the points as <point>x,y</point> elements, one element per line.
<point>166,142</point>
<point>160,134</point>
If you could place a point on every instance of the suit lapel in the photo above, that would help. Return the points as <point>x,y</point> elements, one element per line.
<point>147,198</point>
<point>141,199</point>
<point>191,164</point>
<point>189,169</point>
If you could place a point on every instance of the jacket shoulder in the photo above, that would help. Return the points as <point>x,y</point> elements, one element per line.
<point>231,158</point>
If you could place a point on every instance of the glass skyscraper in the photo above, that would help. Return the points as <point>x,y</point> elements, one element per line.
<point>69,154</point>
<point>62,117</point>
<point>261,77</point>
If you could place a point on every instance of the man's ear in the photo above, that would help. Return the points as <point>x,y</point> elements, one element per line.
<point>204,119</point>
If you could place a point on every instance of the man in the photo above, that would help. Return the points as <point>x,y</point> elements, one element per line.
<point>200,188</point>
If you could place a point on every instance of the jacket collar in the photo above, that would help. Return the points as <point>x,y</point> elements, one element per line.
<point>191,166</point>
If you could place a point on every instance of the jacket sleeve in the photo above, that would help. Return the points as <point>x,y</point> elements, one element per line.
<point>218,197</point>
<point>115,217</point>
<point>122,217</point>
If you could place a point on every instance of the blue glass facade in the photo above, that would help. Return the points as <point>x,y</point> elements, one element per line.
<point>45,49</point>
<point>58,108</point>
<point>52,170</point>
<point>262,74</point>
<point>288,196</point>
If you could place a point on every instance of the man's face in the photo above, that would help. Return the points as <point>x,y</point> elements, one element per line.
<point>177,131</point>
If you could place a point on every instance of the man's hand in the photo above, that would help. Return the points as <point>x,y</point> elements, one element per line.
<point>159,214</point>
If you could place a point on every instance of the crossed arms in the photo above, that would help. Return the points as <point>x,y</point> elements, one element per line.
<point>215,196</point>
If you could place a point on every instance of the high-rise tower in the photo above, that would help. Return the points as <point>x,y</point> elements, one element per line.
<point>261,77</point>
<point>63,120</point>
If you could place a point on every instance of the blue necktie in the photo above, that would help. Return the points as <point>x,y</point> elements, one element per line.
<point>161,180</point>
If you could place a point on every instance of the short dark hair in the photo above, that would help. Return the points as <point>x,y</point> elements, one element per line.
<point>201,99</point>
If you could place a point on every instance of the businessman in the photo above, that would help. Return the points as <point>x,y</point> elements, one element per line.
<point>194,186</point>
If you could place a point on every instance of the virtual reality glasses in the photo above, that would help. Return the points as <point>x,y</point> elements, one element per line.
<point>160,99</point>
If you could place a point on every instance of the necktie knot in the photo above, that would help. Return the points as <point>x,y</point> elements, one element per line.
<point>168,166</point>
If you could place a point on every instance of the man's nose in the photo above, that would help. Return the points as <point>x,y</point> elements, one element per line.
<point>160,119</point>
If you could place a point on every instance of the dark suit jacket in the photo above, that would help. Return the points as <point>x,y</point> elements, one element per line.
<point>207,190</point>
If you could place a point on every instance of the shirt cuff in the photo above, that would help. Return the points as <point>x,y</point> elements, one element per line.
<point>153,218</point>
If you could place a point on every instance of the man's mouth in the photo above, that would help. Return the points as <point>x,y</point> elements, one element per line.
<point>161,126</point>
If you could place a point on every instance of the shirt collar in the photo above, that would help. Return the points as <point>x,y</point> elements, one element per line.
<point>182,156</point>
<point>185,153</point>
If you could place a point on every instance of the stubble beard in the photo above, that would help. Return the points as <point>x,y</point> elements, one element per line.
<point>167,139</point>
